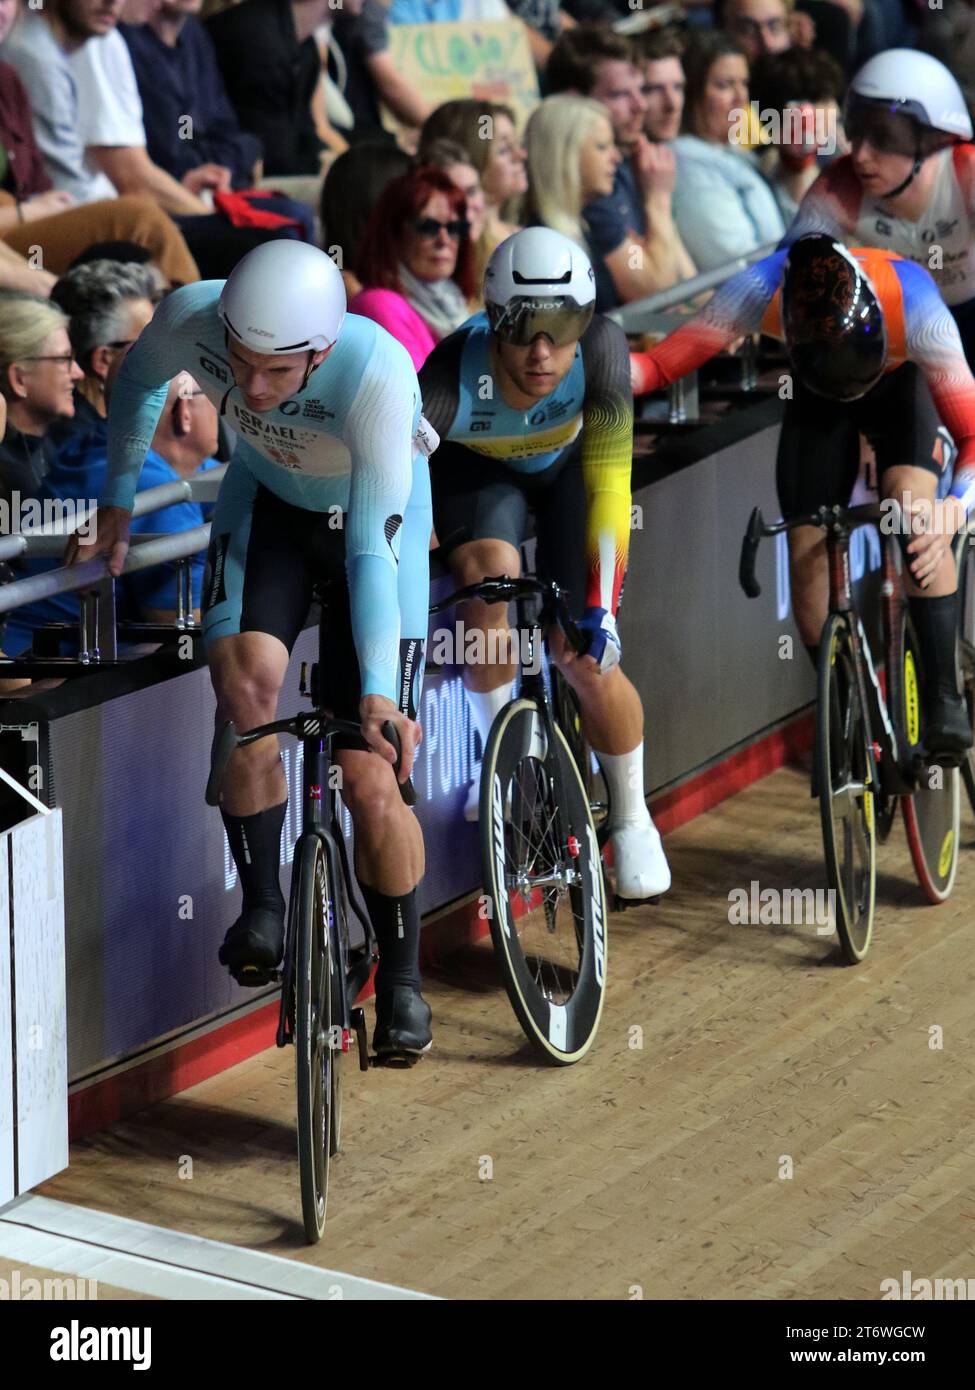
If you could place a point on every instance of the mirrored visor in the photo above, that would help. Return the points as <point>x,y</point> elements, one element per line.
<point>521,320</point>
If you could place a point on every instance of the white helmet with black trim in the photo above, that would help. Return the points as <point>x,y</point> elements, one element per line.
<point>539,281</point>
<point>917,85</point>
<point>284,296</point>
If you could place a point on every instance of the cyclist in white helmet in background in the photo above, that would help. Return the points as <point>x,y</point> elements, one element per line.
<point>908,183</point>
<point>533,405</point>
<point>326,482</point>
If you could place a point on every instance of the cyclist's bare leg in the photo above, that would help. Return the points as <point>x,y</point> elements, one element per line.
<point>247,671</point>
<point>388,866</point>
<point>612,722</point>
<point>809,582</point>
<point>919,485</point>
<point>469,564</point>
<point>388,839</point>
<point>612,711</point>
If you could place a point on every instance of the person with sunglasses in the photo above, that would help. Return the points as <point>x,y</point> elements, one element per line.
<point>416,261</point>
<point>108,305</point>
<point>532,403</point>
<point>328,481</point>
<point>908,182</point>
<point>38,372</point>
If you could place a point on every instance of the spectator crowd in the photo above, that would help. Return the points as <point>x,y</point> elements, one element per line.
<point>146,144</point>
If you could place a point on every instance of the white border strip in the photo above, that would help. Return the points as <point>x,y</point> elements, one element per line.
<point>166,1264</point>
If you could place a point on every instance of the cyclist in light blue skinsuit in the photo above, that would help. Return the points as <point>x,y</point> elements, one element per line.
<point>328,479</point>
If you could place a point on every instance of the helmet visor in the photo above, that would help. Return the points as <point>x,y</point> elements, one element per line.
<point>886,128</point>
<point>521,320</point>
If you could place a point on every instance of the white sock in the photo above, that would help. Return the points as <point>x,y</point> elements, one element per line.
<point>485,705</point>
<point>624,781</point>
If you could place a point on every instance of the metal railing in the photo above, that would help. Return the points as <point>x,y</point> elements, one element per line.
<point>97,640</point>
<point>652,315</point>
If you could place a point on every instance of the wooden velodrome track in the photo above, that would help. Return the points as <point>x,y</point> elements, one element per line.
<point>654,1169</point>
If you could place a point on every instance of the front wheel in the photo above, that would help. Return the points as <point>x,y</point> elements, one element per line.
<point>846,780</point>
<point>314,1058</point>
<point>543,872</point>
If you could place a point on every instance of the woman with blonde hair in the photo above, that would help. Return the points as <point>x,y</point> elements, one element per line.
<point>572,160</point>
<point>37,376</point>
<point>486,131</point>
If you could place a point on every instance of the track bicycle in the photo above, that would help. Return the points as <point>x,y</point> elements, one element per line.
<point>870,750</point>
<point>322,973</point>
<point>540,851</point>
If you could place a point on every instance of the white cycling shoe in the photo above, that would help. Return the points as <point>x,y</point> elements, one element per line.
<point>641,866</point>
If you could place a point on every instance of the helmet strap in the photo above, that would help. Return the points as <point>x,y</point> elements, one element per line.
<point>918,161</point>
<point>308,371</point>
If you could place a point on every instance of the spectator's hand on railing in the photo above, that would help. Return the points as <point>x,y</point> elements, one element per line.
<point>215,176</point>
<point>111,538</point>
<point>46,205</point>
<point>655,167</point>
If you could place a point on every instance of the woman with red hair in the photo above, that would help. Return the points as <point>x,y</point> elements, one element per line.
<point>416,261</point>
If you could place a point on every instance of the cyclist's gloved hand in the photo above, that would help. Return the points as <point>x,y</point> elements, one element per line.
<point>604,640</point>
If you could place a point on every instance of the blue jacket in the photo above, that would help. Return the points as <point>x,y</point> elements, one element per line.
<point>78,474</point>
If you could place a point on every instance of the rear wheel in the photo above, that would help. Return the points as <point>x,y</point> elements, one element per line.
<point>846,781</point>
<point>314,1057</point>
<point>965,555</point>
<point>932,814</point>
<point>543,872</point>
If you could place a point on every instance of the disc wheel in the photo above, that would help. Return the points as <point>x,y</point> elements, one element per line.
<point>965,556</point>
<point>846,781</point>
<point>932,813</point>
<point>314,1069</point>
<point>543,873</point>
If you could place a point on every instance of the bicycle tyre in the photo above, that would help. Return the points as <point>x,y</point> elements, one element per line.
<point>932,813</point>
<point>313,1014</point>
<point>965,560</point>
<point>846,779</point>
<point>518,770</point>
<point>568,715</point>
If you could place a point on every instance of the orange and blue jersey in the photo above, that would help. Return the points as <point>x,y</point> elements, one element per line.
<point>920,329</point>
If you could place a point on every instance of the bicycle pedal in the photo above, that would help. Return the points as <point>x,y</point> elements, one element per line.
<point>359,1027</point>
<point>621,904</point>
<point>255,976</point>
<point>398,1061</point>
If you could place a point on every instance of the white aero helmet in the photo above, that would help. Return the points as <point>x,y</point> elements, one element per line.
<point>284,296</point>
<point>539,281</point>
<point>917,85</point>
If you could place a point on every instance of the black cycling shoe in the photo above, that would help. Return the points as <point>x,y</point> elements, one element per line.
<point>948,731</point>
<point>253,946</point>
<point>402,1021</point>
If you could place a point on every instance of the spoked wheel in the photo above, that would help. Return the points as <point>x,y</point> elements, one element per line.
<point>965,556</point>
<point>846,780</point>
<point>932,814</point>
<point>315,1072</point>
<point>568,715</point>
<point>543,872</point>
